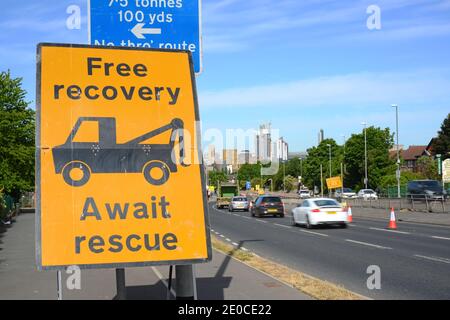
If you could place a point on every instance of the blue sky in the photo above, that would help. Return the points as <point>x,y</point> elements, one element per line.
<point>300,64</point>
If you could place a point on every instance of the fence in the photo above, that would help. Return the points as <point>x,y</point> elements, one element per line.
<point>420,204</point>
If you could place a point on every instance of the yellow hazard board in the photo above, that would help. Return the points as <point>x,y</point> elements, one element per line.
<point>334,183</point>
<point>119,181</point>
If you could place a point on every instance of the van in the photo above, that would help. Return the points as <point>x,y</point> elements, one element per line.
<point>425,189</point>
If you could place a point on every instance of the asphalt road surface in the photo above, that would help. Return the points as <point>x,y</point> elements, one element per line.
<point>414,260</point>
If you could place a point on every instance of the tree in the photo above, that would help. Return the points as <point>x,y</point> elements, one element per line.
<point>215,177</point>
<point>17,129</point>
<point>379,164</point>
<point>428,168</point>
<point>248,171</point>
<point>441,144</point>
<point>320,155</point>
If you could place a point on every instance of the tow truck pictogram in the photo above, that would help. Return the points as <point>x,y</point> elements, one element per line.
<point>76,161</point>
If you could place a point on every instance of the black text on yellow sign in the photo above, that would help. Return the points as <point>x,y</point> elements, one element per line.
<point>113,184</point>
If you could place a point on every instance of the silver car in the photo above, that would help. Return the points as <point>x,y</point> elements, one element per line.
<point>239,203</point>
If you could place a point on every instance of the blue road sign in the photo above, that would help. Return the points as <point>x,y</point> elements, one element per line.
<point>248,185</point>
<point>160,24</point>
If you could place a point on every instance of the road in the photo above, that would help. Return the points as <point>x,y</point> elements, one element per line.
<point>414,260</point>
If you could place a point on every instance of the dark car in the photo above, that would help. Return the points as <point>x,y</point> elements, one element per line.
<point>268,205</point>
<point>425,189</point>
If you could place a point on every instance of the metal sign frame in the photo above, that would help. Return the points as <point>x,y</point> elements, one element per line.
<point>38,166</point>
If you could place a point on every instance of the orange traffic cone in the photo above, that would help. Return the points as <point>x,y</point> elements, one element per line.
<point>392,222</point>
<point>349,214</point>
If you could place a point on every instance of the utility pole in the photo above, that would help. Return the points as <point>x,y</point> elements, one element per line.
<point>321,180</point>
<point>284,176</point>
<point>398,151</point>
<point>365,154</point>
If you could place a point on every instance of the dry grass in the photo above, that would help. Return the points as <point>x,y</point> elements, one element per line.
<point>316,288</point>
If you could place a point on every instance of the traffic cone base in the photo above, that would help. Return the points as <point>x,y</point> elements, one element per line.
<point>392,222</point>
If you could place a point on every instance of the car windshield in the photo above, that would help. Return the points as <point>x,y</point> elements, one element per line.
<point>304,191</point>
<point>430,184</point>
<point>271,199</point>
<point>368,191</point>
<point>326,203</point>
<point>348,190</point>
<point>240,199</point>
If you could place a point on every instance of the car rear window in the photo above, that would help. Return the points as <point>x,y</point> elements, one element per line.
<point>326,203</point>
<point>271,199</point>
<point>240,199</point>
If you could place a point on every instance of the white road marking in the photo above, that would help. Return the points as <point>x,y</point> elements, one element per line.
<point>387,230</point>
<point>234,214</point>
<point>442,238</point>
<point>234,244</point>
<point>245,249</point>
<point>222,236</point>
<point>229,240</point>
<point>281,225</point>
<point>444,260</point>
<point>316,233</point>
<point>261,220</point>
<point>367,244</point>
<point>245,217</point>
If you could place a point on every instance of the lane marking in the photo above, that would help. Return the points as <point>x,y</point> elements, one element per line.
<point>316,233</point>
<point>222,236</point>
<point>367,244</point>
<point>245,249</point>
<point>228,240</point>
<point>442,238</point>
<point>245,217</point>
<point>261,220</point>
<point>282,225</point>
<point>387,230</point>
<point>234,244</point>
<point>437,259</point>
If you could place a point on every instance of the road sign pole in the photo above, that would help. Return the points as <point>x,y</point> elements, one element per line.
<point>59,285</point>
<point>185,282</point>
<point>120,284</point>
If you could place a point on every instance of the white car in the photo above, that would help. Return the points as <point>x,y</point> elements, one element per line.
<point>304,194</point>
<point>313,212</point>
<point>347,194</point>
<point>367,194</point>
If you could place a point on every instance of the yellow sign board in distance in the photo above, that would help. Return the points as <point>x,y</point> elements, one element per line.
<point>118,178</point>
<point>334,183</point>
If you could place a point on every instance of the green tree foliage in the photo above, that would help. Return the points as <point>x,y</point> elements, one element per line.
<point>320,156</point>
<point>441,145</point>
<point>405,177</point>
<point>215,177</point>
<point>247,172</point>
<point>17,130</point>
<point>428,168</point>
<point>379,164</point>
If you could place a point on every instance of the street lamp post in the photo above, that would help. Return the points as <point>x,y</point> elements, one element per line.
<point>329,156</point>
<point>365,154</point>
<point>398,152</point>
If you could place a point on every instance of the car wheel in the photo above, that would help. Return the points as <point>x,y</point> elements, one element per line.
<point>76,173</point>
<point>156,166</point>
<point>282,215</point>
<point>308,224</point>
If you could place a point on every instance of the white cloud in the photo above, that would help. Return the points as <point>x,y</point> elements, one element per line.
<point>360,89</point>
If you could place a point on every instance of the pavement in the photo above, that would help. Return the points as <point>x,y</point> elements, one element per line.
<point>223,278</point>
<point>414,260</point>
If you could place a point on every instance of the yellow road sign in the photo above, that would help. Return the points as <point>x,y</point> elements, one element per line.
<point>118,179</point>
<point>334,183</point>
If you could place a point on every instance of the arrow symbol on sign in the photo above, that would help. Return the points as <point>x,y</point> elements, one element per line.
<point>139,30</point>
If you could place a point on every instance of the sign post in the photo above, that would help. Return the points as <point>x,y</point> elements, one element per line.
<point>119,181</point>
<point>174,24</point>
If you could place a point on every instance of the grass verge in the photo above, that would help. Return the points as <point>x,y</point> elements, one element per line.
<point>316,288</point>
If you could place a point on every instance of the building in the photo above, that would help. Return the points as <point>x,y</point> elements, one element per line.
<point>211,155</point>
<point>320,136</point>
<point>263,143</point>
<point>410,156</point>
<point>282,149</point>
<point>244,157</point>
<point>230,159</point>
